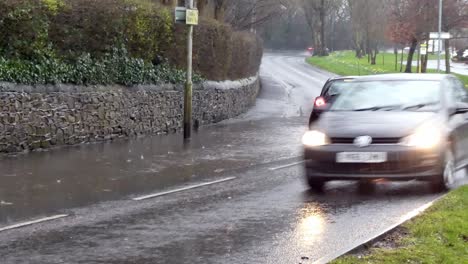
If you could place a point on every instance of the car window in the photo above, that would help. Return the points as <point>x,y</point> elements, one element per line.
<point>389,95</point>
<point>458,90</point>
<point>335,88</point>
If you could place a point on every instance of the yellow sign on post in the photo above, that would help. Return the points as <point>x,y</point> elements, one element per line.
<point>192,17</point>
<point>423,49</point>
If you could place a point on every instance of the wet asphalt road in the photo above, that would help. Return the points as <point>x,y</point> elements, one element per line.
<point>263,214</point>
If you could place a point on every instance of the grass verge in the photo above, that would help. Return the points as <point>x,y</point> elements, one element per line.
<point>439,235</point>
<point>346,63</point>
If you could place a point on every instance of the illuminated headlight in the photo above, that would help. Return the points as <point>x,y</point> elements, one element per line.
<point>425,137</point>
<point>314,139</point>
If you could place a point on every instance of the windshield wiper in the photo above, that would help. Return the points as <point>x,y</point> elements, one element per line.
<point>419,106</point>
<point>377,108</point>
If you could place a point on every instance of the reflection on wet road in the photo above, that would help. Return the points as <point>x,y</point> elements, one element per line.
<point>264,215</point>
<point>45,182</point>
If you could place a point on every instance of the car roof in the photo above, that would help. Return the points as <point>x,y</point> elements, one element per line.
<point>342,78</point>
<point>402,77</point>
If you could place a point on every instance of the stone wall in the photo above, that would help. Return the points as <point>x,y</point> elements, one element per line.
<point>46,116</point>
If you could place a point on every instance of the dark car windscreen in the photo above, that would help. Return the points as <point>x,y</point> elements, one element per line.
<point>389,95</point>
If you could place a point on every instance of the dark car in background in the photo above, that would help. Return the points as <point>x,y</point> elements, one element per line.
<point>462,55</point>
<point>331,89</point>
<point>395,127</point>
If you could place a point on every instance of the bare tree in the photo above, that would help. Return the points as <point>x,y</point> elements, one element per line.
<point>220,9</point>
<point>249,14</point>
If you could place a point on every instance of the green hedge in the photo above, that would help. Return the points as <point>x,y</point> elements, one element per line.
<point>114,68</point>
<point>219,52</point>
<point>69,28</point>
<point>41,39</point>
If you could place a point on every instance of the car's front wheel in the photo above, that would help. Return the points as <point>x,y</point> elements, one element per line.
<point>446,180</point>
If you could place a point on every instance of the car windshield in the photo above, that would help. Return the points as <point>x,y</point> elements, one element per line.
<point>389,95</point>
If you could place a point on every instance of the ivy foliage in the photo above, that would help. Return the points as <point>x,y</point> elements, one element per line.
<point>116,67</point>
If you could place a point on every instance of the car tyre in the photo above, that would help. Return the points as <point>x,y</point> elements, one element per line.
<point>446,179</point>
<point>316,184</point>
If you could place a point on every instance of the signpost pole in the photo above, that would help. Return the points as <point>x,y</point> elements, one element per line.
<point>189,83</point>
<point>439,42</point>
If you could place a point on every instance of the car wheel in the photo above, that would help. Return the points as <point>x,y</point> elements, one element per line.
<point>447,179</point>
<point>316,184</point>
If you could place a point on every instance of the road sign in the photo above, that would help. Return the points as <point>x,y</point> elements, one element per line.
<point>186,16</point>
<point>423,49</point>
<point>192,17</point>
<point>443,35</point>
<point>180,14</point>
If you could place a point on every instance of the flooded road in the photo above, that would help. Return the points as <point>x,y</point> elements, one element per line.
<point>263,214</point>
<point>48,182</point>
<point>43,183</point>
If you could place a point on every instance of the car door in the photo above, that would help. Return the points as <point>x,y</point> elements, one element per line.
<point>462,96</point>
<point>460,121</point>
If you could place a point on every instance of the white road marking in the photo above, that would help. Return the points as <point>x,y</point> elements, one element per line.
<point>182,189</point>
<point>32,222</point>
<point>286,166</point>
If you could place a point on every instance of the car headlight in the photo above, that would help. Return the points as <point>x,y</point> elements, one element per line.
<point>314,139</point>
<point>426,136</point>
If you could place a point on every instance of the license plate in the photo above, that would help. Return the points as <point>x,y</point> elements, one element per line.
<point>361,157</point>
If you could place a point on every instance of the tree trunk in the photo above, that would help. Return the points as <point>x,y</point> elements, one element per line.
<point>322,51</point>
<point>317,44</point>
<point>220,10</point>
<point>358,53</point>
<point>423,63</point>
<point>418,65</point>
<point>447,56</point>
<point>395,51</point>
<point>201,5</point>
<point>409,61</point>
<point>374,56</point>
<point>401,59</point>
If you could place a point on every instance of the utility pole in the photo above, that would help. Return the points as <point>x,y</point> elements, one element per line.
<point>189,83</point>
<point>440,36</point>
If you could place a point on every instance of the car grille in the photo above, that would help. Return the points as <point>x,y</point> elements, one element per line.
<point>343,140</point>
<point>378,168</point>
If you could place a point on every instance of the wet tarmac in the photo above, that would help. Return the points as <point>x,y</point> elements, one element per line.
<point>45,183</point>
<point>264,215</point>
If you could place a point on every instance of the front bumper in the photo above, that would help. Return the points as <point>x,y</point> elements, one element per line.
<point>403,163</point>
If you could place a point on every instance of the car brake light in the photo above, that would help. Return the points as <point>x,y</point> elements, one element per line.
<point>320,101</point>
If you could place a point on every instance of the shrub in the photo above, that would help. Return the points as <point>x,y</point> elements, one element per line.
<point>96,27</point>
<point>73,40</point>
<point>219,52</point>
<point>113,68</point>
<point>23,28</point>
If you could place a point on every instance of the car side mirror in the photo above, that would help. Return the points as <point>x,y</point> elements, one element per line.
<point>459,108</point>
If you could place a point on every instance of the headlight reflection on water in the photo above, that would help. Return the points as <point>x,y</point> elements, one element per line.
<point>310,226</point>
